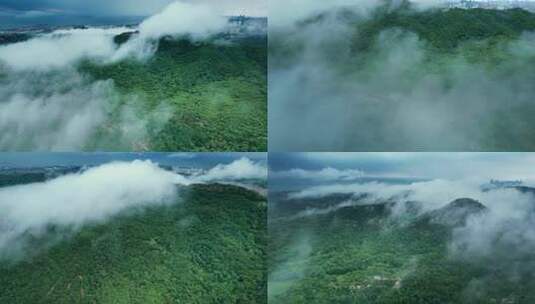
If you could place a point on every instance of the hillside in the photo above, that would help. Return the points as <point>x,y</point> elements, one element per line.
<point>374,80</point>
<point>364,254</point>
<point>448,29</point>
<point>214,94</point>
<point>209,247</point>
<point>128,92</point>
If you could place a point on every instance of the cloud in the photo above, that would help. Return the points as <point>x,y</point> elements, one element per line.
<point>132,7</point>
<point>177,19</point>
<point>415,165</point>
<point>183,155</point>
<point>47,105</point>
<point>295,262</point>
<point>35,14</point>
<point>436,193</point>
<point>287,13</point>
<point>323,174</point>
<point>63,111</point>
<point>432,194</point>
<point>60,49</point>
<point>507,228</point>
<point>182,18</point>
<point>243,168</point>
<point>66,47</point>
<point>74,200</point>
<point>67,203</point>
<point>328,95</point>
<point>60,118</point>
<point>505,231</point>
<point>309,212</point>
<point>502,236</point>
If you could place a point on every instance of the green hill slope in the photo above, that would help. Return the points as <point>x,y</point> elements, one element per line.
<point>207,248</point>
<point>361,254</point>
<point>214,96</point>
<point>465,74</point>
<point>448,29</point>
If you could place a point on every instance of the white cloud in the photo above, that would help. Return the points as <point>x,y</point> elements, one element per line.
<point>96,195</point>
<point>61,119</point>
<point>508,224</point>
<point>60,49</point>
<point>243,168</point>
<point>177,19</point>
<point>65,48</point>
<point>74,200</point>
<point>62,110</point>
<point>183,155</point>
<point>183,18</point>
<point>323,174</point>
<point>433,194</point>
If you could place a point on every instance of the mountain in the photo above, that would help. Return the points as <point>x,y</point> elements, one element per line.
<point>21,176</point>
<point>8,37</point>
<point>446,30</point>
<point>215,92</point>
<point>466,74</point>
<point>208,247</point>
<point>375,254</point>
<point>455,213</point>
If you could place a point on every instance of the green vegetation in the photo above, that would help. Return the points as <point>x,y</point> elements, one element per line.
<point>9,179</point>
<point>206,96</point>
<point>466,74</point>
<point>448,29</point>
<point>209,247</point>
<point>484,47</point>
<point>362,254</point>
<point>7,38</point>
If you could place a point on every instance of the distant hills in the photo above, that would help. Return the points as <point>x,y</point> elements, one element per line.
<point>455,213</point>
<point>491,4</point>
<point>377,253</point>
<point>208,247</point>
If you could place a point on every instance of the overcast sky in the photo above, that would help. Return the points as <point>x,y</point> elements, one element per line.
<point>40,8</point>
<point>418,165</point>
<point>204,160</point>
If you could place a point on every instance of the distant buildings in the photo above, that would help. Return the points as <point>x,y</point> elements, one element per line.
<point>491,4</point>
<point>497,184</point>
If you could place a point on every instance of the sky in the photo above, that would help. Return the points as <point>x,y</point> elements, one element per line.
<point>57,12</point>
<point>202,160</point>
<point>414,165</point>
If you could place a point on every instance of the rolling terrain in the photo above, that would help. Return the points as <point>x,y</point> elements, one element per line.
<point>207,247</point>
<point>374,78</point>
<point>362,252</point>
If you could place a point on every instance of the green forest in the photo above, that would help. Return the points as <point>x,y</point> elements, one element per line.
<point>207,96</point>
<point>466,73</point>
<point>208,247</point>
<point>475,48</point>
<point>446,30</point>
<point>363,254</point>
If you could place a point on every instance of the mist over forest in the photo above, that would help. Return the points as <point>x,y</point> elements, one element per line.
<point>167,83</point>
<point>134,231</point>
<point>388,235</point>
<point>401,76</point>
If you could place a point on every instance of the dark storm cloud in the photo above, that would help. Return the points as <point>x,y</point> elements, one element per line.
<point>78,7</point>
<point>122,7</point>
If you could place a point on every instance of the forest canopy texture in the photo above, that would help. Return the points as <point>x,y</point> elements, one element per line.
<point>369,80</point>
<point>207,247</point>
<point>185,79</point>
